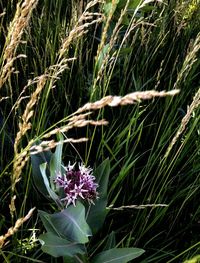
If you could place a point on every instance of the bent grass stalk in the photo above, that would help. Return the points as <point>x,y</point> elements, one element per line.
<point>78,121</point>
<point>12,230</point>
<point>189,61</point>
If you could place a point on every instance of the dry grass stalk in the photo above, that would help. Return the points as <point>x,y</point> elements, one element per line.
<point>80,116</point>
<point>3,98</point>
<point>189,61</point>
<point>193,106</point>
<point>18,166</point>
<point>80,121</point>
<point>12,205</point>
<point>112,40</point>
<point>74,124</point>
<point>13,230</point>
<point>136,206</point>
<point>28,113</point>
<point>132,25</point>
<point>105,30</point>
<point>57,69</point>
<point>2,14</point>
<point>48,145</point>
<point>87,19</point>
<point>19,23</point>
<point>93,3</point>
<point>22,157</point>
<point>130,98</point>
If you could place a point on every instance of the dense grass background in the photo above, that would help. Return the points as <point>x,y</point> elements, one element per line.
<point>151,47</point>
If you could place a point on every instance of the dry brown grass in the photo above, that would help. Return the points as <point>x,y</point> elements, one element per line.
<point>53,72</point>
<point>25,125</point>
<point>15,32</point>
<point>121,208</point>
<point>21,156</point>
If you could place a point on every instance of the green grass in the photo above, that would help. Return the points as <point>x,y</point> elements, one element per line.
<point>159,52</point>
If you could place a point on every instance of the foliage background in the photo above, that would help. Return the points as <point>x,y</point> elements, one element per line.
<point>155,45</point>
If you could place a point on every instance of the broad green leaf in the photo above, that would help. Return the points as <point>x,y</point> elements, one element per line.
<point>101,174</point>
<point>51,193</point>
<point>57,246</point>
<point>97,213</point>
<point>36,161</point>
<point>48,224</point>
<point>56,161</point>
<point>118,255</point>
<point>69,223</point>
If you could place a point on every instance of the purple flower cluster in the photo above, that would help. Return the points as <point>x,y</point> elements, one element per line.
<point>77,184</point>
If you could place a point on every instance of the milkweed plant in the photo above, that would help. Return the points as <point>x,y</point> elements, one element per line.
<point>80,197</point>
<point>76,184</point>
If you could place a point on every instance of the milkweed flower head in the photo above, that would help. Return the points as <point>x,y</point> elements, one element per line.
<point>77,184</point>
